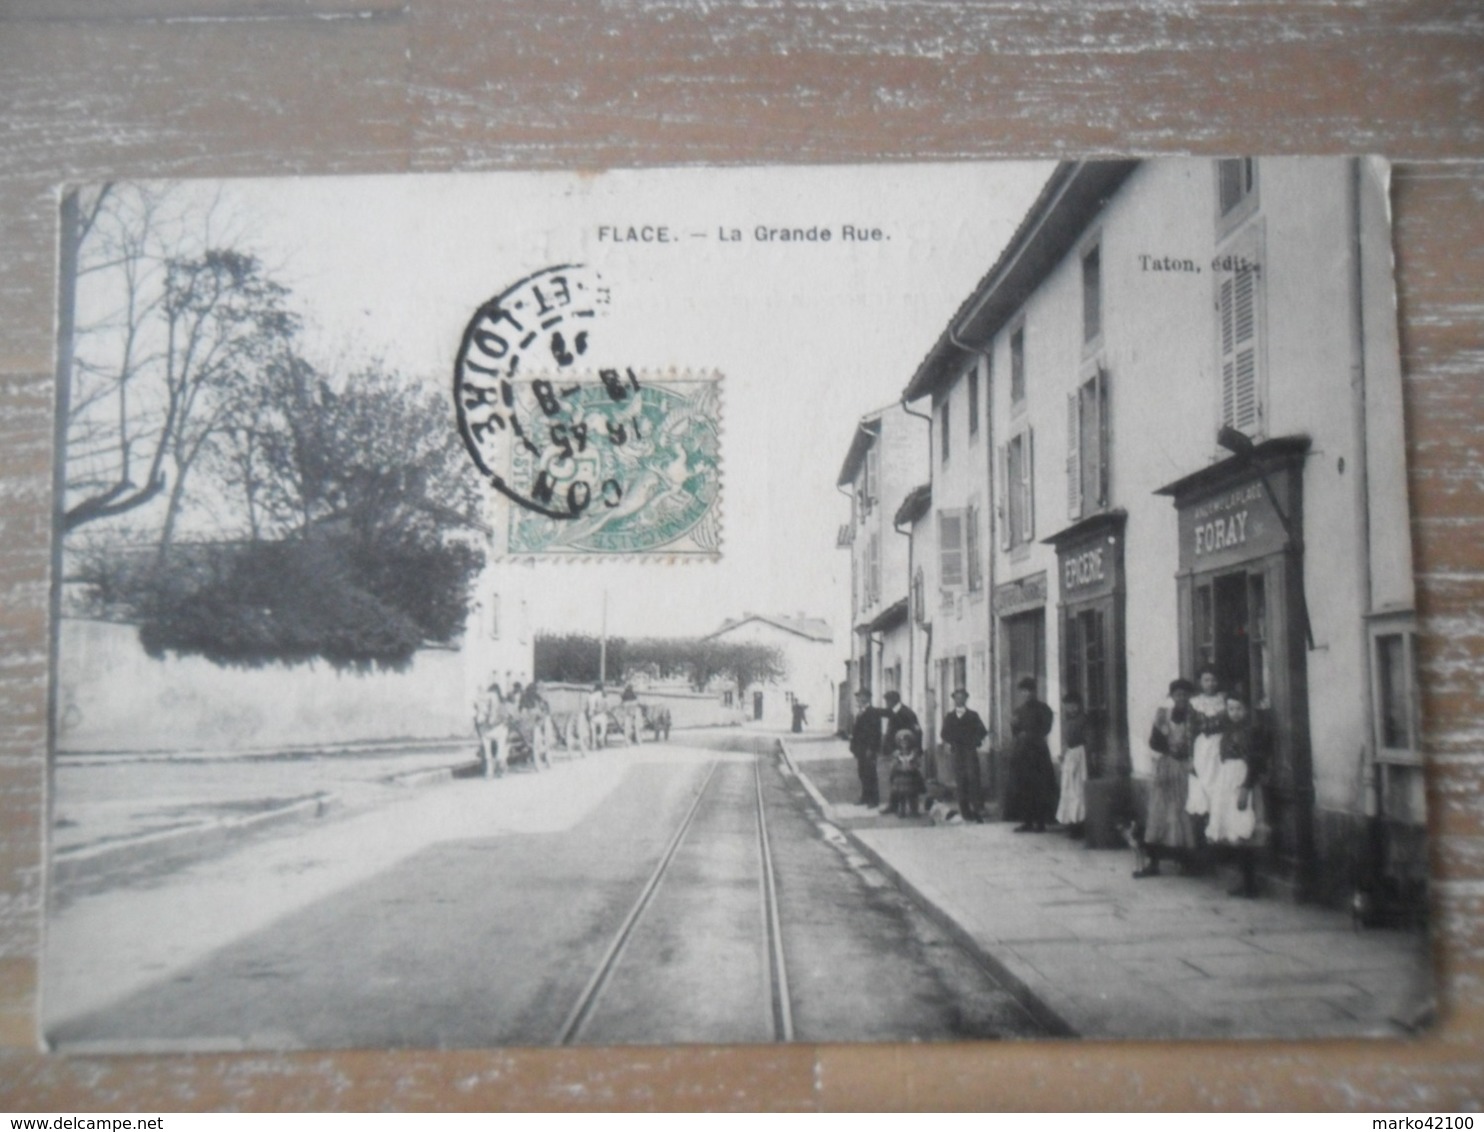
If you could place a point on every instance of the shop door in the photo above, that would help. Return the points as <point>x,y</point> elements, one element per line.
<point>1025,655</point>
<point>1231,633</point>
<point>1086,654</point>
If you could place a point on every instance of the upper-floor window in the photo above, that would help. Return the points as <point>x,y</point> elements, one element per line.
<point>870,481</point>
<point>919,598</point>
<point>1015,486</point>
<point>1236,191</point>
<point>1092,294</point>
<point>973,378</point>
<point>873,568</point>
<point>1088,450</point>
<point>1017,364</point>
<point>494,608</point>
<point>943,430</point>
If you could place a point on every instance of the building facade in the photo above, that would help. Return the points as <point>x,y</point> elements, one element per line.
<point>812,666</point>
<point>1190,379</point>
<point>886,460</point>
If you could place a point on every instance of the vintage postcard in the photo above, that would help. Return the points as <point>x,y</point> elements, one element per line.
<point>882,603</point>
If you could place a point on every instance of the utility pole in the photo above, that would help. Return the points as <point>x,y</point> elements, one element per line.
<point>603,642</point>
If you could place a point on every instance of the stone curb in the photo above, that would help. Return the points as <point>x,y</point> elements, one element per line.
<point>1052,1022</point>
<point>96,860</point>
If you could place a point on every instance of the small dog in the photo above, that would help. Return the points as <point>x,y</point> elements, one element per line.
<point>1133,835</point>
<point>942,813</point>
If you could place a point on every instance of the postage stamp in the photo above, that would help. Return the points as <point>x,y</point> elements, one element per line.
<point>614,463</point>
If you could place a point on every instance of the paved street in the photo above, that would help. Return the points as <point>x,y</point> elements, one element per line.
<point>472,912</point>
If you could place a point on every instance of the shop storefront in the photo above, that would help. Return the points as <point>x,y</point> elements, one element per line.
<point>1090,627</point>
<point>1243,610</point>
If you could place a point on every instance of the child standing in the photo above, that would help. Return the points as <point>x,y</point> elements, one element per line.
<point>1236,800</point>
<point>907,784</point>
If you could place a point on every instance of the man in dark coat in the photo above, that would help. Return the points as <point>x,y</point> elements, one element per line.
<point>1032,779</point>
<point>899,717</point>
<point>963,731</point>
<point>865,745</point>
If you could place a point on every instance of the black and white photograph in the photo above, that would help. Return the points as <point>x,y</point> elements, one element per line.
<point>890,603</point>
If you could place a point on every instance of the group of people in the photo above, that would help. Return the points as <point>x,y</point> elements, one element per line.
<point>520,724</point>
<point>887,745</point>
<point>1208,758</point>
<point>1209,754</point>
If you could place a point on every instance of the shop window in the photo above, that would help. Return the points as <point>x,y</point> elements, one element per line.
<point>950,549</point>
<point>1017,365</point>
<point>1088,455</point>
<point>1394,667</point>
<point>1092,295</point>
<point>1016,491</point>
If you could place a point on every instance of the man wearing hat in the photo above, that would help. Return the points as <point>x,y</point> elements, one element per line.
<point>963,731</point>
<point>865,745</point>
<point>899,717</point>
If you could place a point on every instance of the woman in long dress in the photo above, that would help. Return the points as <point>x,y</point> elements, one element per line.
<point>1032,776</point>
<point>1071,810</point>
<point>1209,706</point>
<point>1168,834</point>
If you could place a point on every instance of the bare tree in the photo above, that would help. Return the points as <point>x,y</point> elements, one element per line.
<point>167,324</point>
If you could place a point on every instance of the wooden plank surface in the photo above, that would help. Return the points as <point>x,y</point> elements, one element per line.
<point>238,87</point>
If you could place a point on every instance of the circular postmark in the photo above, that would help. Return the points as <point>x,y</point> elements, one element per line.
<point>544,322</point>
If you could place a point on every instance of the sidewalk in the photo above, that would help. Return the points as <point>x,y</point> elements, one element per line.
<point>1099,954</point>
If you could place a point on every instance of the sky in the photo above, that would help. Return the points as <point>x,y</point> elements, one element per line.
<point>808,335</point>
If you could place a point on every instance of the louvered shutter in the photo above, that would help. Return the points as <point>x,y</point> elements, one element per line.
<point>1074,454</point>
<point>1238,299</point>
<point>1105,446</point>
<point>1001,495</point>
<point>950,550</point>
<point>1028,487</point>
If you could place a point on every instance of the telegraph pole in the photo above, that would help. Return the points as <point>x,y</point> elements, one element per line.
<point>603,642</point>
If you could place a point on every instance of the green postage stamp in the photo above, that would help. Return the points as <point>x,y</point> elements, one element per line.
<point>619,462</point>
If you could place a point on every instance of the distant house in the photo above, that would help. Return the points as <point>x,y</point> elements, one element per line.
<point>811,659</point>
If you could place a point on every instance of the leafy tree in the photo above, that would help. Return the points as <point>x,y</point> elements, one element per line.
<point>573,658</point>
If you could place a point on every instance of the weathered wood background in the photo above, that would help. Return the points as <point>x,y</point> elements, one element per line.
<point>93,89</point>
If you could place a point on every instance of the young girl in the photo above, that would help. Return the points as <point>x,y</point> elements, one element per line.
<point>907,784</point>
<point>1235,798</point>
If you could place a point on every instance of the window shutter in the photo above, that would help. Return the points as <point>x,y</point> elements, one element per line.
<point>1238,299</point>
<point>1028,488</point>
<point>873,574</point>
<point>1001,496</point>
<point>950,550</point>
<point>1074,454</point>
<point>971,548</point>
<point>1104,441</point>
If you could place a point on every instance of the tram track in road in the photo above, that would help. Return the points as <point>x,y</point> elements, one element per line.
<point>701,947</point>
